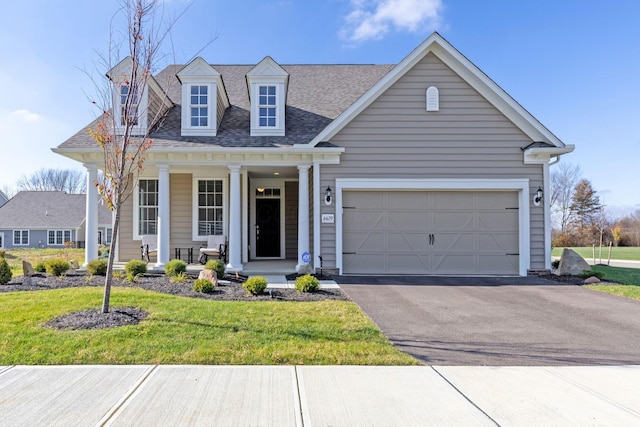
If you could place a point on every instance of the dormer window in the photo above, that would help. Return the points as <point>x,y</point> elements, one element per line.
<point>199,106</point>
<point>267,106</point>
<point>134,108</point>
<point>204,99</point>
<point>132,114</point>
<point>267,83</point>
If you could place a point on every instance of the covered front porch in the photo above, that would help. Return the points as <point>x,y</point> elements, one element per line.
<point>266,212</point>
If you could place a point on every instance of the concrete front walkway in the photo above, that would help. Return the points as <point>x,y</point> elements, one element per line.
<point>318,395</point>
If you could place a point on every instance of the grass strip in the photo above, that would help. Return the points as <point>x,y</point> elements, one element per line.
<point>191,331</point>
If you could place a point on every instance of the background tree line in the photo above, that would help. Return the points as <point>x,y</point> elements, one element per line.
<point>580,219</point>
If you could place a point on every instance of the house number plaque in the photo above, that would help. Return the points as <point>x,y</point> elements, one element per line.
<point>328,218</point>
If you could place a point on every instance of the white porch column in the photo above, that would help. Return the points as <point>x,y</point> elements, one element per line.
<point>91,222</point>
<point>163,215</point>
<point>303,213</point>
<point>235,236</point>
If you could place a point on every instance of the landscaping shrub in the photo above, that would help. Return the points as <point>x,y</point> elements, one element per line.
<point>203,285</point>
<point>135,268</point>
<point>2,253</point>
<point>175,267</point>
<point>57,267</point>
<point>217,266</point>
<point>307,283</point>
<point>178,278</point>
<point>255,285</point>
<point>5,271</point>
<point>555,264</point>
<point>97,267</point>
<point>40,267</point>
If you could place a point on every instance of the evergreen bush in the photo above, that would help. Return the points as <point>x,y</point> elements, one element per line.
<point>203,285</point>
<point>5,271</point>
<point>255,285</point>
<point>307,283</point>
<point>175,267</point>
<point>217,266</point>
<point>56,266</point>
<point>97,267</point>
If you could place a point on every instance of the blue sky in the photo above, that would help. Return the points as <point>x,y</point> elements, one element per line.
<point>574,64</point>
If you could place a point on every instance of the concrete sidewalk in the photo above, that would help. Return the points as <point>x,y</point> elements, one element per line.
<point>318,395</point>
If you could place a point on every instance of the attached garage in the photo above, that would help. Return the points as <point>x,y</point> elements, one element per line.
<point>449,232</point>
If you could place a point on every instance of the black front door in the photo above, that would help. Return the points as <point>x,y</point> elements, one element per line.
<point>267,228</point>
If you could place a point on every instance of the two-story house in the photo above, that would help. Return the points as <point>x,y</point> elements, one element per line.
<point>424,167</point>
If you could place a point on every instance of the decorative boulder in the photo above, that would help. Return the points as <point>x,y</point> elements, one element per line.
<point>572,264</point>
<point>27,268</point>
<point>210,275</point>
<point>591,280</point>
<point>305,269</point>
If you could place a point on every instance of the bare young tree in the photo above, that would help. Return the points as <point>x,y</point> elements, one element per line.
<point>564,178</point>
<point>46,179</point>
<point>123,133</point>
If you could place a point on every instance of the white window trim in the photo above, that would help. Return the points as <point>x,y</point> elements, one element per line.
<point>107,236</point>
<point>13,235</point>
<point>194,206</point>
<point>211,129</point>
<point>1,240</point>
<point>136,206</point>
<point>55,236</point>
<point>256,129</point>
<point>519,185</point>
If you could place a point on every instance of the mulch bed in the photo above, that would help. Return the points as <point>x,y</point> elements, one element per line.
<point>232,291</point>
<point>121,316</point>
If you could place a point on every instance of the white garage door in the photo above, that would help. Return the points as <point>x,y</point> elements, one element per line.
<point>435,232</point>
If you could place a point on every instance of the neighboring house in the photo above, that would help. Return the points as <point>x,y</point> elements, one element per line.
<point>424,167</point>
<point>43,219</point>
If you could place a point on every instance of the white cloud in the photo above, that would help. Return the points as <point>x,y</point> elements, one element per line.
<point>373,19</point>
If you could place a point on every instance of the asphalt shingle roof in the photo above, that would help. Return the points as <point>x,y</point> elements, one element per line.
<point>317,94</point>
<point>48,209</point>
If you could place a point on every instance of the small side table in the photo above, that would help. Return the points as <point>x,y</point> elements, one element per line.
<point>189,254</point>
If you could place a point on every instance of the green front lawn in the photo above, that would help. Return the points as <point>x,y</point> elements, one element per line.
<point>191,331</point>
<point>629,279</point>
<point>15,257</point>
<point>620,252</point>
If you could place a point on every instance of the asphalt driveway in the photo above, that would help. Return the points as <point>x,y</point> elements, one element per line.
<point>500,321</point>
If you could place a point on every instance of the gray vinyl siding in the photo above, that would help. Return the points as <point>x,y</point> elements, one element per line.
<point>291,219</point>
<point>396,137</point>
<point>156,107</point>
<point>220,109</point>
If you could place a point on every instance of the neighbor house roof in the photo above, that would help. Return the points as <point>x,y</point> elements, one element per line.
<point>48,209</point>
<point>317,94</point>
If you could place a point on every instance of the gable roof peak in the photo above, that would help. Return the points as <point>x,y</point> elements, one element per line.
<point>198,67</point>
<point>451,57</point>
<point>267,67</point>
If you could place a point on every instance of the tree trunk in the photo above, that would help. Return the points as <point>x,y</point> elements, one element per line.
<point>112,253</point>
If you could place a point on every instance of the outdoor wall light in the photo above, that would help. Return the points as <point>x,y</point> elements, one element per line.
<point>328,199</point>
<point>537,198</point>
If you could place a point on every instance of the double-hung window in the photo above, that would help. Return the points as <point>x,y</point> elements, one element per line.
<point>58,237</point>
<point>267,106</point>
<point>147,206</point>
<point>210,207</point>
<point>199,106</point>
<point>128,112</point>
<point>20,237</point>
